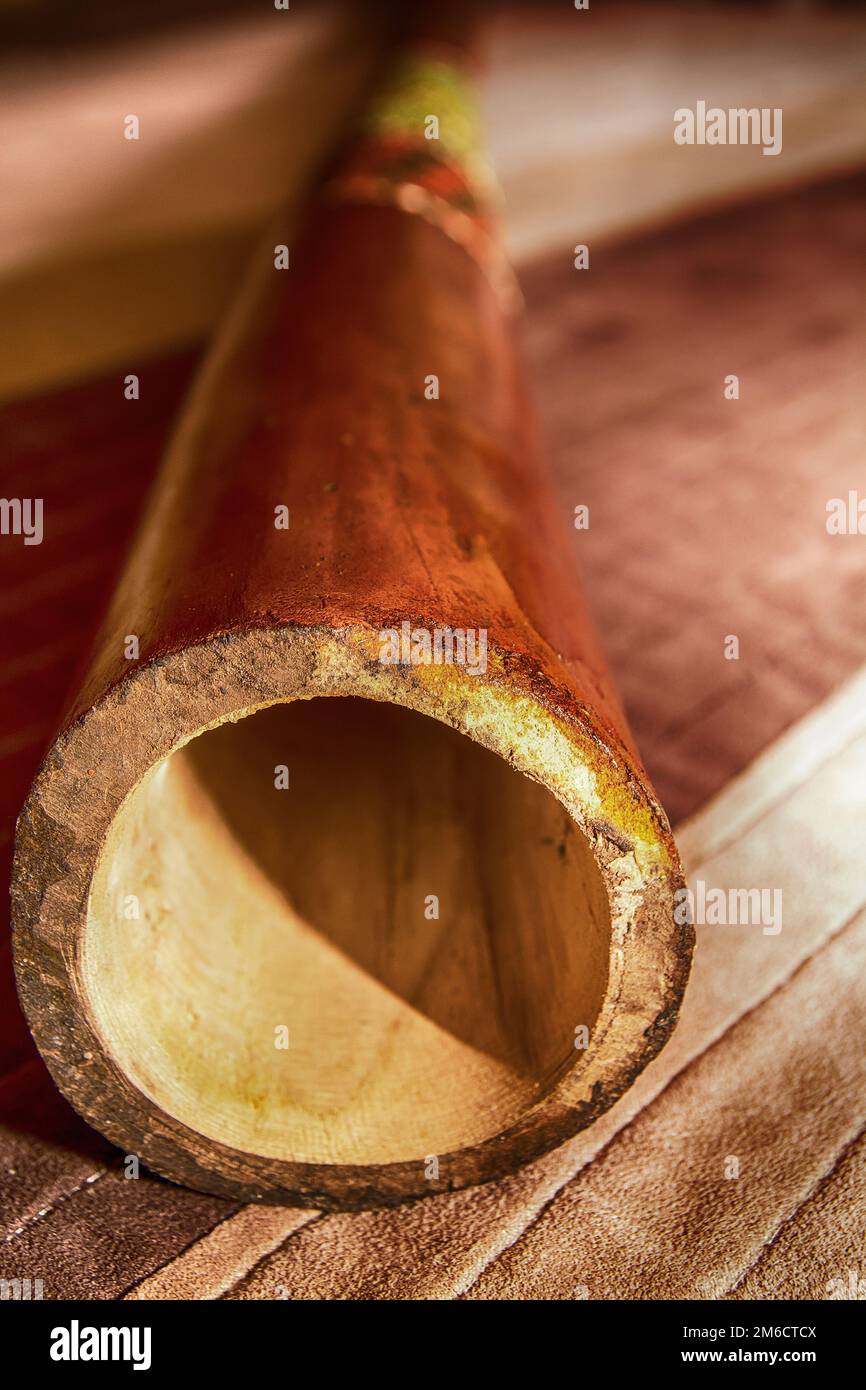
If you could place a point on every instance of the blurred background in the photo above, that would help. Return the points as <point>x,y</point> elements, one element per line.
<point>111,247</point>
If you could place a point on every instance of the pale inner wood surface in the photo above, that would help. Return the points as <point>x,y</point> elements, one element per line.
<point>309,909</point>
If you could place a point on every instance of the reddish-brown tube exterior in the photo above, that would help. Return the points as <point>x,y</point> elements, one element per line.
<point>438,511</point>
<point>399,505</point>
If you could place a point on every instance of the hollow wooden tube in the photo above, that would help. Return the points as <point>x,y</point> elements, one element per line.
<point>298,919</point>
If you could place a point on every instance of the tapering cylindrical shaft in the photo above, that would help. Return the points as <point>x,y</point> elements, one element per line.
<point>343,882</point>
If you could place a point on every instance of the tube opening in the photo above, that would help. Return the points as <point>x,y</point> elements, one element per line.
<point>338,931</point>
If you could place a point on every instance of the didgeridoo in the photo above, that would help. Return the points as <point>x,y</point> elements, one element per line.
<point>343,883</point>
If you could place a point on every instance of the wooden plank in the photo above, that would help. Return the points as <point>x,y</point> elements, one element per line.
<point>123,249</point>
<point>580,109</point>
